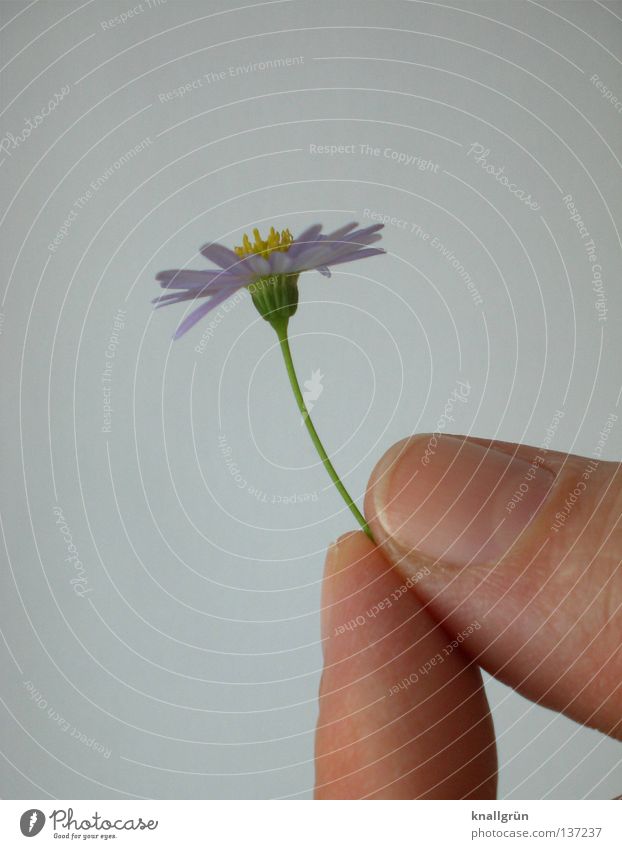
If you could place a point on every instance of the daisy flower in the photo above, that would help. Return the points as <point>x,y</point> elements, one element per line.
<point>269,268</point>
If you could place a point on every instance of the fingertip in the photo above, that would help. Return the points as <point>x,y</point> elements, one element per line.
<point>378,737</point>
<point>352,561</point>
<point>349,547</point>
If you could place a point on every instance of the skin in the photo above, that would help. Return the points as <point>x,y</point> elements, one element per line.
<point>548,610</point>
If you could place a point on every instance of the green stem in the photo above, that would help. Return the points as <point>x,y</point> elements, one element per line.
<point>281,329</point>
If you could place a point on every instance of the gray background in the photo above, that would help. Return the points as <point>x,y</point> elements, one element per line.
<point>194,658</point>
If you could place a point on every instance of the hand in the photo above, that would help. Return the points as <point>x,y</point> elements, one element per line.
<point>491,555</point>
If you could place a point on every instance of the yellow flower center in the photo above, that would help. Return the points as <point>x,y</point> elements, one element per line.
<point>275,242</point>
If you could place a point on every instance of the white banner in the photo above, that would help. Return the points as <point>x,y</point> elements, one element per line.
<point>287,824</point>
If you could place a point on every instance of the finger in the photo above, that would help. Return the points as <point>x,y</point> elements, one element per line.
<point>403,714</point>
<point>526,542</point>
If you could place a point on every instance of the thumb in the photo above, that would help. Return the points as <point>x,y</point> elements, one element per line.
<point>524,541</point>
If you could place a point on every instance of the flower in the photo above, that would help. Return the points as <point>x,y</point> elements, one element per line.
<point>268,268</point>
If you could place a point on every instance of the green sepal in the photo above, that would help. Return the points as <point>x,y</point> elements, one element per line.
<point>276,298</point>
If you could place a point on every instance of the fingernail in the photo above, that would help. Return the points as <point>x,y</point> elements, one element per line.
<point>455,501</point>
